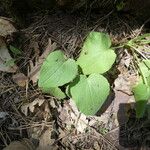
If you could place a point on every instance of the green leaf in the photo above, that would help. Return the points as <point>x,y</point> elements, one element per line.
<point>141,92</point>
<point>142,95</point>
<point>145,67</point>
<point>140,108</point>
<point>89,93</point>
<point>68,90</point>
<point>55,92</point>
<point>57,70</point>
<point>96,55</point>
<point>15,50</point>
<point>120,5</point>
<point>140,39</point>
<point>147,63</point>
<point>148,80</point>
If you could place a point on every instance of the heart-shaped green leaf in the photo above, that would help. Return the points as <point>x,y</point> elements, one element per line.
<point>55,92</point>
<point>142,95</point>
<point>96,55</point>
<point>89,93</point>
<point>57,70</point>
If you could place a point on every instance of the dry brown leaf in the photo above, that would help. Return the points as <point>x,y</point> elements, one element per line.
<point>25,144</point>
<point>125,80</point>
<point>36,131</point>
<point>46,142</point>
<point>20,79</point>
<point>96,145</point>
<point>31,106</point>
<point>70,115</point>
<point>123,84</point>
<point>62,133</point>
<point>6,27</point>
<point>34,69</point>
<point>6,64</point>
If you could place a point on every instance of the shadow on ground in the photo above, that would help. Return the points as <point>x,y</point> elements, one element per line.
<point>135,133</point>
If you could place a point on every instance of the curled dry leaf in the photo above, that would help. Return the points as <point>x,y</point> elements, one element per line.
<point>6,27</point>
<point>31,106</point>
<point>6,61</point>
<point>20,79</point>
<point>35,69</point>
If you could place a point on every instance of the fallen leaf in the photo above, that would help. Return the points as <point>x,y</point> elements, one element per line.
<point>121,84</point>
<point>46,142</point>
<point>25,144</point>
<point>31,106</point>
<point>3,116</point>
<point>6,61</point>
<point>35,69</point>
<point>70,115</point>
<point>125,79</point>
<point>20,79</point>
<point>6,27</point>
<point>96,145</point>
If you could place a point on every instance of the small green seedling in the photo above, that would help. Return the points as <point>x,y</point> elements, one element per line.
<point>142,89</point>
<point>88,89</point>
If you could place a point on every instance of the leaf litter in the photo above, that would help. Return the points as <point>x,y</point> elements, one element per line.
<point>31,106</point>
<point>62,125</point>
<point>6,27</point>
<point>20,79</point>
<point>6,61</point>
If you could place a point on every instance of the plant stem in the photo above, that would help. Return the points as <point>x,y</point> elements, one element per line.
<point>138,51</point>
<point>140,70</point>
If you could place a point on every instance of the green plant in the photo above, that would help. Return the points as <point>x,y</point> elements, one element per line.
<point>120,5</point>
<point>141,90</point>
<point>81,79</point>
<point>15,50</point>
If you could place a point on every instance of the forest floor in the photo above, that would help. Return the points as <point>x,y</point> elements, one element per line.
<point>39,121</point>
